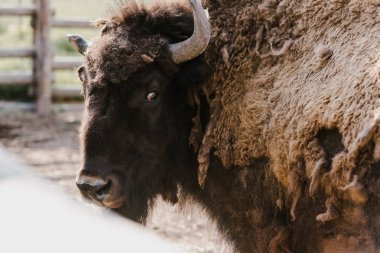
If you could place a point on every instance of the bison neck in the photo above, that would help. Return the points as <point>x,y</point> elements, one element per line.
<point>240,201</point>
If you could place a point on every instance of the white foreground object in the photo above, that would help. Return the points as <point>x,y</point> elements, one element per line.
<point>37,218</point>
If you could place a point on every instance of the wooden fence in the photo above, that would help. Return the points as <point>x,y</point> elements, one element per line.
<point>41,77</point>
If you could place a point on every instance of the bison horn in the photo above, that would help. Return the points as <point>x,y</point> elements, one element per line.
<point>197,43</point>
<point>80,44</point>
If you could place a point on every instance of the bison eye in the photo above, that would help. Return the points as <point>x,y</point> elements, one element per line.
<point>152,97</point>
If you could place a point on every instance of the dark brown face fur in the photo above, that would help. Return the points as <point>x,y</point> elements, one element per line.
<point>135,135</point>
<point>135,132</point>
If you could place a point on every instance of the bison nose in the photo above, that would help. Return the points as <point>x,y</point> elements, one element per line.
<point>93,187</point>
<point>106,191</point>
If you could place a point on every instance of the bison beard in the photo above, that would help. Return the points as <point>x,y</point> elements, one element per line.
<point>138,211</point>
<point>281,111</point>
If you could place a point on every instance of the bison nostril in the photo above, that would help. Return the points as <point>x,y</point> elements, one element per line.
<point>103,191</point>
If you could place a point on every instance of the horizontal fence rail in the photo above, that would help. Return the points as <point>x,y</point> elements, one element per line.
<point>21,11</point>
<point>41,77</point>
<point>67,63</point>
<point>73,23</point>
<point>17,78</point>
<point>20,52</point>
<point>17,11</point>
<point>67,91</point>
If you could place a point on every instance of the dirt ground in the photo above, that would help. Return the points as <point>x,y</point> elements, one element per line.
<point>49,146</point>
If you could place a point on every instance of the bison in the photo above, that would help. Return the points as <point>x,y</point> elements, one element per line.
<point>265,112</point>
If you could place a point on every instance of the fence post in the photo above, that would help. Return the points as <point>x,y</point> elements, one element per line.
<point>43,60</point>
<point>32,89</point>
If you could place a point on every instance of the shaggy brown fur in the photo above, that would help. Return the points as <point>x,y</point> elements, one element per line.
<point>290,159</point>
<point>293,109</point>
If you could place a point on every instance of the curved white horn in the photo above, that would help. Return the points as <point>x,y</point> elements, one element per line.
<point>197,43</point>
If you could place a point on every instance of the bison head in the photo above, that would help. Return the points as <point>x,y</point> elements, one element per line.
<point>137,78</point>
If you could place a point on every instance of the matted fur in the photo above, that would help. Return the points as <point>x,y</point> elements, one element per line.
<point>275,106</point>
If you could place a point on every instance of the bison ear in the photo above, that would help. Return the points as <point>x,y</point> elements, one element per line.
<point>78,43</point>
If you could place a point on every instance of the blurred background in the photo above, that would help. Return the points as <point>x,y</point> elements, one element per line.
<point>16,32</point>
<point>40,112</point>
